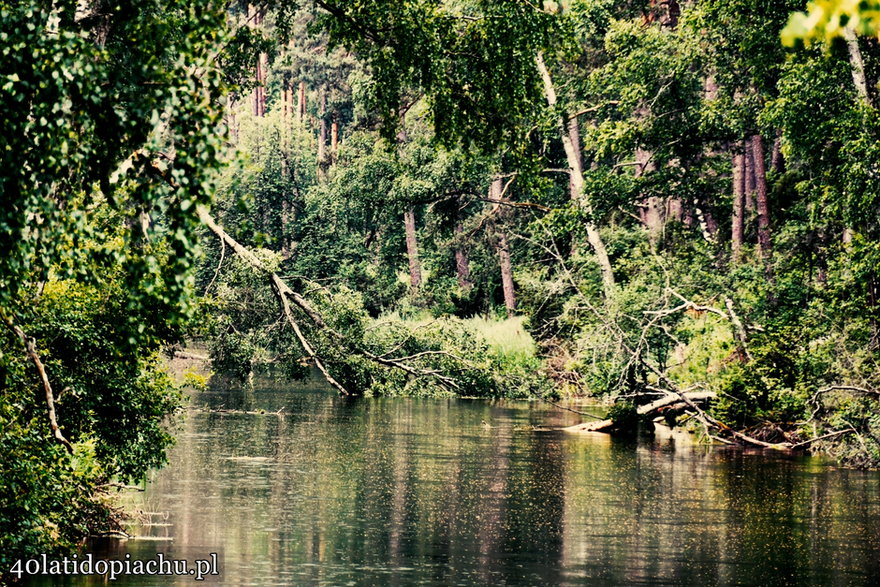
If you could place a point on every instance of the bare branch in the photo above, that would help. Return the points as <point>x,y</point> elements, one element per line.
<point>30,348</point>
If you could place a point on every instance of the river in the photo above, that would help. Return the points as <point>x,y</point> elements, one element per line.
<point>320,489</point>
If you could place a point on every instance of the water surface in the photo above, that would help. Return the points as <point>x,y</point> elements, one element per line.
<point>325,490</point>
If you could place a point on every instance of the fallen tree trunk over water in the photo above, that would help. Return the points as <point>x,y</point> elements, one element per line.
<point>669,402</point>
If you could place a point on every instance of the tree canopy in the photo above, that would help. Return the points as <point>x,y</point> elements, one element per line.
<point>628,200</point>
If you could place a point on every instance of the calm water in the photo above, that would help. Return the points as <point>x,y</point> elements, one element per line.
<point>403,492</point>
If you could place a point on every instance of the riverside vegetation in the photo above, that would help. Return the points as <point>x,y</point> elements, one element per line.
<point>630,200</point>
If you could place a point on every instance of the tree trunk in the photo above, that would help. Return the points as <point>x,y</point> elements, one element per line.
<point>764,242</point>
<point>301,110</point>
<point>258,77</point>
<point>502,245</point>
<point>412,249</point>
<point>255,19</point>
<point>462,262</point>
<point>334,138</point>
<point>409,223</point>
<point>666,404</point>
<point>736,237</point>
<point>263,64</point>
<point>652,211</point>
<point>462,266</point>
<point>749,162</point>
<point>322,132</point>
<point>707,223</point>
<point>577,182</point>
<point>506,273</point>
<point>857,65</point>
<point>285,224</point>
<point>574,135</point>
<point>777,161</point>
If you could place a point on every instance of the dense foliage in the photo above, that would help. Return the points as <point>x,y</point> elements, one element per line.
<point>667,197</point>
<point>672,198</point>
<point>109,142</point>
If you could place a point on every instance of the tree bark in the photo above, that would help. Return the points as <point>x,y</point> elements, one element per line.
<point>506,274</point>
<point>764,241</point>
<point>749,198</point>
<point>462,262</point>
<point>736,237</point>
<point>334,138</point>
<point>301,109</point>
<point>777,161</point>
<point>857,66</point>
<point>409,225</point>
<point>577,182</point>
<point>322,132</point>
<point>503,247</point>
<point>412,249</point>
<point>262,68</point>
<point>255,19</point>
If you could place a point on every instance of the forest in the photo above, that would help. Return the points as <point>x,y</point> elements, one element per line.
<point>669,206</point>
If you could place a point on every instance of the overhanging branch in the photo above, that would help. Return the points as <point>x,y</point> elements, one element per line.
<point>31,349</point>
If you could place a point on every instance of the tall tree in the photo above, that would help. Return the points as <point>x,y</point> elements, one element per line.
<point>736,238</point>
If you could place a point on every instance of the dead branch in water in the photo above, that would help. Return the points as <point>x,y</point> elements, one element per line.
<point>670,401</point>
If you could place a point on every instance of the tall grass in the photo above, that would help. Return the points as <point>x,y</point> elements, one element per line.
<point>508,337</point>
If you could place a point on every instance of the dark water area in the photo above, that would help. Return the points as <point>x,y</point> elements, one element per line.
<point>396,491</point>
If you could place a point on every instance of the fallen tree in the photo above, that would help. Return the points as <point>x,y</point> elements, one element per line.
<point>287,298</point>
<point>662,406</point>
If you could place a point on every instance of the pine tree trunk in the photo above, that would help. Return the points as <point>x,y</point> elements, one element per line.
<point>502,245</point>
<point>462,262</point>
<point>749,162</point>
<point>412,249</point>
<point>285,223</point>
<point>301,110</point>
<point>255,20</point>
<point>258,76</point>
<point>777,161</point>
<point>322,133</point>
<point>764,241</point>
<point>263,69</point>
<point>736,237</point>
<point>409,225</point>
<point>334,139</point>
<point>577,182</point>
